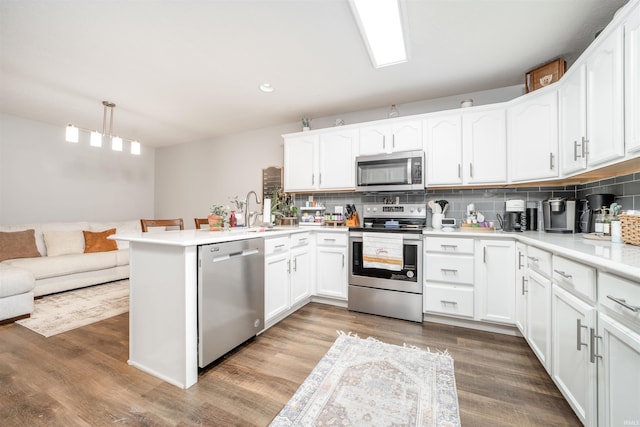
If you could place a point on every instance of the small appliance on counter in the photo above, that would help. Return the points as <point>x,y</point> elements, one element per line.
<point>559,215</point>
<point>592,208</point>
<point>515,218</point>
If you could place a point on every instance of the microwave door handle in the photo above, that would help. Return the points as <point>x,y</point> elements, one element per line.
<point>409,177</point>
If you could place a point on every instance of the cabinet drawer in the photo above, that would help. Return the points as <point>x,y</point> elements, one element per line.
<point>449,245</point>
<point>448,299</point>
<point>575,276</point>
<point>332,239</point>
<point>627,295</point>
<point>300,239</point>
<point>276,245</point>
<point>449,269</point>
<point>539,261</point>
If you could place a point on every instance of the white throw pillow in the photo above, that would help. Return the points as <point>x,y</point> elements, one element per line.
<point>63,242</point>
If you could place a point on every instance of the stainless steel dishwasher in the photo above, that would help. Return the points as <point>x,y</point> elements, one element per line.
<point>230,296</point>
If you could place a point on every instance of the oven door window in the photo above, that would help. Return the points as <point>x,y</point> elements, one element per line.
<point>409,272</point>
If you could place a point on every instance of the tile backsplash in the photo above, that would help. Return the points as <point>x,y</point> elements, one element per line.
<point>490,201</point>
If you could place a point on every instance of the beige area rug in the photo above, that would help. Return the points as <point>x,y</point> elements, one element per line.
<point>57,313</point>
<point>370,383</point>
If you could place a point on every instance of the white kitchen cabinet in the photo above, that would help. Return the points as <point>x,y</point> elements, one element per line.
<point>301,269</point>
<point>391,136</point>
<point>300,162</point>
<point>494,281</point>
<point>337,154</point>
<point>521,288</point>
<point>618,359</point>
<point>332,258</point>
<point>443,146</point>
<point>591,107</point>
<point>572,370</point>
<point>484,151</point>
<point>466,148</point>
<point>276,277</point>
<point>320,161</point>
<point>539,317</point>
<point>532,126</point>
<point>632,81</point>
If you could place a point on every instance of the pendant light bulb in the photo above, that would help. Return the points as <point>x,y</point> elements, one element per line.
<point>135,148</point>
<point>116,143</point>
<point>72,134</point>
<point>96,139</point>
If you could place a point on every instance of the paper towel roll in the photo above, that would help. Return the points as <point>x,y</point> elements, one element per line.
<point>266,211</point>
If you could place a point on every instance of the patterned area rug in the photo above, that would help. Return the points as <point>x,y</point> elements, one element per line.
<point>370,383</point>
<point>57,313</point>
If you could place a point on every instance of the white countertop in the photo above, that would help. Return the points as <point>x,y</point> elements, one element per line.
<point>205,237</point>
<point>618,258</point>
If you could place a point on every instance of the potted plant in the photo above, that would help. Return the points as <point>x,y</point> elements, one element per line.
<point>283,209</point>
<point>306,123</point>
<point>217,217</point>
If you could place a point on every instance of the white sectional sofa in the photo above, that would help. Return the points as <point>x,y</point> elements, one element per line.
<point>63,265</point>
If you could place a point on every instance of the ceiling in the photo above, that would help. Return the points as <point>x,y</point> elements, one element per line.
<point>182,71</point>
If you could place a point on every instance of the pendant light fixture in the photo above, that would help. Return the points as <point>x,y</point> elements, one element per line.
<point>96,138</point>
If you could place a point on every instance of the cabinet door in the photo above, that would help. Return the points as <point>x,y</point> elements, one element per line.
<point>573,120</point>
<point>331,270</point>
<point>533,137</point>
<point>521,288</point>
<point>539,317</point>
<point>484,147</point>
<point>276,285</point>
<point>406,136</point>
<point>495,276</point>
<point>300,163</point>
<point>375,139</point>
<point>337,160</point>
<point>573,373</point>
<point>632,81</point>
<point>618,358</point>
<point>605,101</point>
<point>443,144</point>
<point>300,274</point>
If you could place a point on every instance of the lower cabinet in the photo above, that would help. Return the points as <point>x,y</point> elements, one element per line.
<point>521,288</point>
<point>539,317</point>
<point>332,258</point>
<point>574,322</point>
<point>494,278</point>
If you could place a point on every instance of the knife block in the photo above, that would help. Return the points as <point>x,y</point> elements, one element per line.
<point>354,221</point>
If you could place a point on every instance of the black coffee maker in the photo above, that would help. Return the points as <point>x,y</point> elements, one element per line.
<point>595,202</point>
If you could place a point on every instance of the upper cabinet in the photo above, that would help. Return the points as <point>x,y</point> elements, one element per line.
<point>533,137</point>
<point>324,161</point>
<point>391,136</point>
<point>591,107</point>
<point>466,148</point>
<point>632,81</point>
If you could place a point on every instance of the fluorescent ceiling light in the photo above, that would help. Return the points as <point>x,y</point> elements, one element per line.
<point>380,23</point>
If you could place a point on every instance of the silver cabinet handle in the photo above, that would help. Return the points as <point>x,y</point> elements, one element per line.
<point>279,246</point>
<point>313,179</point>
<point>471,170</point>
<point>575,151</point>
<point>295,264</point>
<point>384,141</point>
<point>524,289</point>
<point>624,303</point>
<point>550,161</point>
<point>459,170</point>
<point>579,342</point>
<point>592,342</point>
<point>532,258</point>
<point>520,265</point>
<point>320,178</point>
<point>445,302</point>
<point>563,274</point>
<point>393,141</point>
<point>288,266</point>
<point>448,246</point>
<point>585,147</point>
<point>444,270</point>
<point>342,260</point>
<point>484,254</point>
<point>329,240</point>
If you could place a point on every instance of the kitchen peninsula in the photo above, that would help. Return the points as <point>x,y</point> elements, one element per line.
<point>163,309</point>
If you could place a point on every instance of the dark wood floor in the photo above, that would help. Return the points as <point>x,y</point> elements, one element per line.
<point>81,378</point>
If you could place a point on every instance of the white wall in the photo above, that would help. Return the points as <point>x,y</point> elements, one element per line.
<point>191,177</point>
<point>43,178</point>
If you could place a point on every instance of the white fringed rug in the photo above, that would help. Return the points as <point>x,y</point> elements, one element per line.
<point>370,383</point>
<point>62,312</point>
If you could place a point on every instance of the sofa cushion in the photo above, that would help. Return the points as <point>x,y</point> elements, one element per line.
<point>18,244</point>
<point>63,242</point>
<point>98,242</point>
<point>15,281</point>
<point>131,226</point>
<point>45,267</point>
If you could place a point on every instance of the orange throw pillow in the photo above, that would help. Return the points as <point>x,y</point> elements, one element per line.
<point>98,242</point>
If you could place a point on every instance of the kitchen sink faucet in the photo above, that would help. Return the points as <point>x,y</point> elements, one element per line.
<point>247,215</point>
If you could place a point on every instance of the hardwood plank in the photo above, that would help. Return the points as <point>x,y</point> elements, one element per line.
<point>81,377</point>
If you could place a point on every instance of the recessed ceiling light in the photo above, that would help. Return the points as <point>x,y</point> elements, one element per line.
<point>380,24</point>
<point>266,87</point>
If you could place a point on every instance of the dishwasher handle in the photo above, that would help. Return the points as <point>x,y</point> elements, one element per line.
<point>246,252</point>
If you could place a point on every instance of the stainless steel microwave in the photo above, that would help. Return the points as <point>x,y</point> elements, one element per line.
<point>400,171</point>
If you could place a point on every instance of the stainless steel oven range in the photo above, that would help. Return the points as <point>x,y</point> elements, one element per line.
<point>385,261</point>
